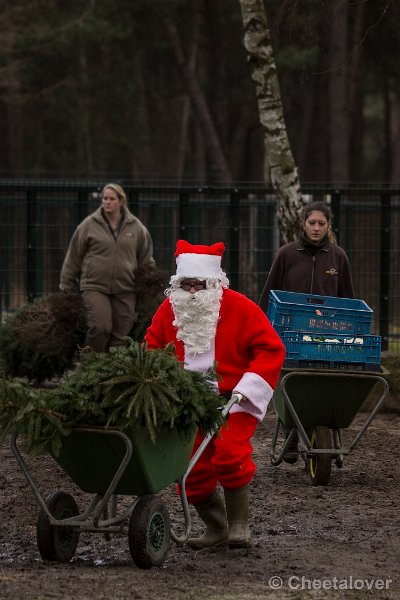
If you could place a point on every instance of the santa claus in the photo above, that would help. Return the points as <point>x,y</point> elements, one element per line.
<point>209,325</point>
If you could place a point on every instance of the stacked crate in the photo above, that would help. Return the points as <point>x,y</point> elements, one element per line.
<point>325,332</point>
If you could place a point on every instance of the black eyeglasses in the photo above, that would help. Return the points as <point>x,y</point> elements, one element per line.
<point>197,285</point>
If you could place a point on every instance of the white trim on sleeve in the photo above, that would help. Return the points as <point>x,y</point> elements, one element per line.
<point>258,394</point>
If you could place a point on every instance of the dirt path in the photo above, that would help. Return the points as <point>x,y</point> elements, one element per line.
<point>308,542</point>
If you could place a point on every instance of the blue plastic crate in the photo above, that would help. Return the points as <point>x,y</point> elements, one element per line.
<point>292,311</point>
<point>308,349</point>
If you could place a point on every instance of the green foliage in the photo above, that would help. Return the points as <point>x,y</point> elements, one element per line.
<point>129,386</point>
<point>41,339</point>
<point>39,415</point>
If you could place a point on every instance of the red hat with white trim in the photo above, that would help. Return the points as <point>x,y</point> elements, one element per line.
<point>199,261</point>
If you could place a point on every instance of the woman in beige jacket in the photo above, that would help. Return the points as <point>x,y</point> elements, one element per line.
<point>104,254</point>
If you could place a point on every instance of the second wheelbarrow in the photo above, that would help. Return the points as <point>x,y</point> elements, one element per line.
<point>316,405</point>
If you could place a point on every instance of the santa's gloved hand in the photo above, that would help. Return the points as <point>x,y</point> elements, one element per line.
<point>239,396</point>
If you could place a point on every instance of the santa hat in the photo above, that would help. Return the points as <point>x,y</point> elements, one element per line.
<point>198,261</point>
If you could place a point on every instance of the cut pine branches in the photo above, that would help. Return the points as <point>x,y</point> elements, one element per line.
<point>125,388</point>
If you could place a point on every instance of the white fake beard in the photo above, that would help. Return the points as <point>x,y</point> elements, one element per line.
<point>196,317</point>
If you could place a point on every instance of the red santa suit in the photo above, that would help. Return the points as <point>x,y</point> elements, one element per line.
<point>249,355</point>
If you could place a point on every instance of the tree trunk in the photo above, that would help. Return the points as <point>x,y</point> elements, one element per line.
<point>387,133</point>
<point>144,155</point>
<point>356,95</point>
<point>14,121</point>
<point>245,120</point>
<point>282,168</point>
<point>85,150</point>
<point>186,102</point>
<point>219,166</point>
<point>339,123</point>
<point>395,174</point>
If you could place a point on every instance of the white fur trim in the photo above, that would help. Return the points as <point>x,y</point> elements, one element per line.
<point>198,265</point>
<point>258,394</point>
<point>201,362</point>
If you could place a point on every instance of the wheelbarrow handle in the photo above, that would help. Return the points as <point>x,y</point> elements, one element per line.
<point>235,399</point>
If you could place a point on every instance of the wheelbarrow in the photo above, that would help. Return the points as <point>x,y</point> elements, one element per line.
<point>108,463</point>
<point>316,405</point>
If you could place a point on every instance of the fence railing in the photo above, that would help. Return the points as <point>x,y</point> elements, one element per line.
<point>39,217</point>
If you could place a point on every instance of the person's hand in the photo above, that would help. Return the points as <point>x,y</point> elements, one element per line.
<point>240,396</point>
<point>68,291</point>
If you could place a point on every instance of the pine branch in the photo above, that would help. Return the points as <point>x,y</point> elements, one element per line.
<point>127,387</point>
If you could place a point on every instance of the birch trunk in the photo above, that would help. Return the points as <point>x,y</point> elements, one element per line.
<point>281,166</point>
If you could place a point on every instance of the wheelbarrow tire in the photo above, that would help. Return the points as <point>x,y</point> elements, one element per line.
<point>319,465</point>
<point>149,533</point>
<point>57,542</point>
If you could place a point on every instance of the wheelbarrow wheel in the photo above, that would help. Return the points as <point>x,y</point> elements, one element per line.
<point>319,465</point>
<point>57,542</point>
<point>149,532</point>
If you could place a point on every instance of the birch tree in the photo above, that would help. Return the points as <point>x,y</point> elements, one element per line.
<point>282,173</point>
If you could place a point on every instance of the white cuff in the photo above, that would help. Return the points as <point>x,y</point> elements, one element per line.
<point>258,394</point>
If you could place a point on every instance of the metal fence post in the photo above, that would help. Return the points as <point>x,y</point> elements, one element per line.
<point>335,209</point>
<point>183,216</point>
<point>234,240</point>
<point>384,282</point>
<point>33,271</point>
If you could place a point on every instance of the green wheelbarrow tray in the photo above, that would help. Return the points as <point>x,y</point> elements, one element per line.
<point>323,397</point>
<point>92,456</point>
<point>106,463</point>
<point>309,398</point>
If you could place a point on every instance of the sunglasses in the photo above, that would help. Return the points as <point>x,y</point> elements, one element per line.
<point>198,285</point>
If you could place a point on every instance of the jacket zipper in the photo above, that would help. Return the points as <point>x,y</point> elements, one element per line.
<point>312,274</point>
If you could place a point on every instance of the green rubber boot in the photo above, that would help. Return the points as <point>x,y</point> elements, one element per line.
<point>212,512</point>
<point>237,509</point>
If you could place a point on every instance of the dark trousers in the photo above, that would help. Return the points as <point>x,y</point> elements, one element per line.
<point>109,318</point>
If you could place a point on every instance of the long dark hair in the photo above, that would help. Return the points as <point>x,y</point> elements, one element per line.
<point>325,210</point>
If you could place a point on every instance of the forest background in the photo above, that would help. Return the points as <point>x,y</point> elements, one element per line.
<point>94,88</point>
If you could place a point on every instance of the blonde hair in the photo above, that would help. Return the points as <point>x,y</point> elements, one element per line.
<point>118,190</point>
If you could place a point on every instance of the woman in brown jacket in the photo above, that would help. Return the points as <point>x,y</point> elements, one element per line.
<point>104,254</point>
<point>314,264</point>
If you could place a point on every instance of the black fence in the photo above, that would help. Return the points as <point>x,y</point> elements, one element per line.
<point>39,217</point>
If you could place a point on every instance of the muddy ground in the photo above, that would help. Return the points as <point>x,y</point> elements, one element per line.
<point>341,539</point>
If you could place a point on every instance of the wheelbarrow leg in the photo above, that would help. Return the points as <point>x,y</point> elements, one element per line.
<point>277,457</point>
<point>337,441</point>
<point>114,502</point>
